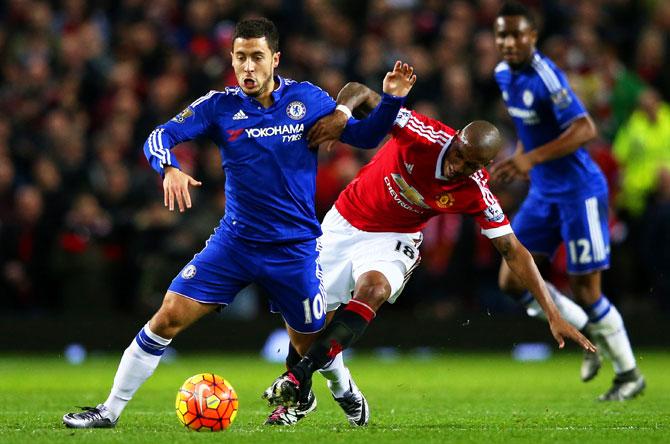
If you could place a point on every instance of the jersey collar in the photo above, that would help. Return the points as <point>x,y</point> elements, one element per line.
<point>279,91</point>
<point>439,168</point>
<point>528,65</point>
<point>276,94</point>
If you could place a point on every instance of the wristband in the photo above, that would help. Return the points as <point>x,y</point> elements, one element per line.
<point>345,109</point>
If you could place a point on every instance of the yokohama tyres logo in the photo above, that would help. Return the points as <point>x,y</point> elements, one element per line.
<point>280,130</point>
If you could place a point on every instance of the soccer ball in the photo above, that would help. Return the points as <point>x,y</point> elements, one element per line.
<point>206,402</point>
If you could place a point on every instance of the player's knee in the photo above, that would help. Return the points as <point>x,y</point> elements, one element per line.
<point>374,295</point>
<point>168,321</point>
<point>165,326</point>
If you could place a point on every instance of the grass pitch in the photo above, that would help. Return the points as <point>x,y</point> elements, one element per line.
<point>479,398</point>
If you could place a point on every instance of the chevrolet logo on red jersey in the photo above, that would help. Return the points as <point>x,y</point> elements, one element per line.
<point>408,192</point>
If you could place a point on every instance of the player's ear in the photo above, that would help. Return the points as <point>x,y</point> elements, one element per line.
<point>275,59</point>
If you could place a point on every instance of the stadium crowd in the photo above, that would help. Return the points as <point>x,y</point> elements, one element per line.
<point>82,84</point>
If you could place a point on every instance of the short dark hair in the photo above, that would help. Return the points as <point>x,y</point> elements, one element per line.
<point>256,29</point>
<point>515,8</point>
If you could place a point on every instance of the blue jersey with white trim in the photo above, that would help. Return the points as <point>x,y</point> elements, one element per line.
<point>270,171</point>
<point>542,105</point>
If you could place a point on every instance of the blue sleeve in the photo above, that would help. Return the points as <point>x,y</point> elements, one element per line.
<point>324,103</point>
<point>192,122</point>
<point>565,104</point>
<point>368,132</point>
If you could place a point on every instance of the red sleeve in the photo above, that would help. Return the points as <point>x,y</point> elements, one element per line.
<point>485,208</point>
<point>416,128</point>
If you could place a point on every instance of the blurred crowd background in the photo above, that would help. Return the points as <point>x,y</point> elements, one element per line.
<point>82,84</point>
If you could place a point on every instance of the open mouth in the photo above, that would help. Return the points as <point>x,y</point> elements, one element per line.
<point>249,83</point>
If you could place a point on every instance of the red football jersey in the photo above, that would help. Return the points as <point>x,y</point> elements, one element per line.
<point>403,185</point>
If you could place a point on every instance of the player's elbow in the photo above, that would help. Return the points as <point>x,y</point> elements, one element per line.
<point>589,129</point>
<point>353,85</point>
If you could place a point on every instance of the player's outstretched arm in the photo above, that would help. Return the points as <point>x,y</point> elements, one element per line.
<point>366,133</point>
<point>175,187</point>
<point>521,262</point>
<point>353,97</point>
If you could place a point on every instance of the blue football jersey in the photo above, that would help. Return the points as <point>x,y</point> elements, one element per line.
<point>542,106</point>
<point>270,171</point>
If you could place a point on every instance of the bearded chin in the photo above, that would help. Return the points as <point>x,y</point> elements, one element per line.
<point>261,90</point>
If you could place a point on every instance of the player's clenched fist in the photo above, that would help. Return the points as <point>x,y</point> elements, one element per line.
<point>175,186</point>
<point>399,81</point>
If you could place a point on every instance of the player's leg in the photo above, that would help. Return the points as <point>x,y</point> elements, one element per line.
<point>141,358</point>
<point>345,392</point>
<point>380,270</point>
<point>339,246</point>
<point>143,354</point>
<point>607,328</point>
<point>210,280</point>
<point>292,276</point>
<point>586,233</point>
<point>336,279</point>
<point>347,325</point>
<point>290,413</point>
<point>587,239</point>
<point>336,373</point>
<point>381,265</point>
<point>341,385</point>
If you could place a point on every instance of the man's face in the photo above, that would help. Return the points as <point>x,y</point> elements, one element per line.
<point>462,159</point>
<point>254,65</point>
<point>515,39</point>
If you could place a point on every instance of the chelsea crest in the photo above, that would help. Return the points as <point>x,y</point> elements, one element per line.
<point>296,110</point>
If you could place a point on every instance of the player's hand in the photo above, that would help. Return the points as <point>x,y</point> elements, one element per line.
<point>175,186</point>
<point>399,81</point>
<point>560,329</point>
<point>327,128</point>
<point>517,166</point>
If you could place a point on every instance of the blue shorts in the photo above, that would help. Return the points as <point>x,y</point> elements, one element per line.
<point>290,273</point>
<point>541,226</point>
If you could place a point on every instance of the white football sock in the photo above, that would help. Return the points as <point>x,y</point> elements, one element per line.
<point>605,321</point>
<point>338,376</point>
<point>138,363</point>
<point>568,309</point>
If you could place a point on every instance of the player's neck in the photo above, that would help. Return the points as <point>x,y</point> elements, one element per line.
<point>525,63</point>
<point>265,98</point>
<point>520,66</point>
